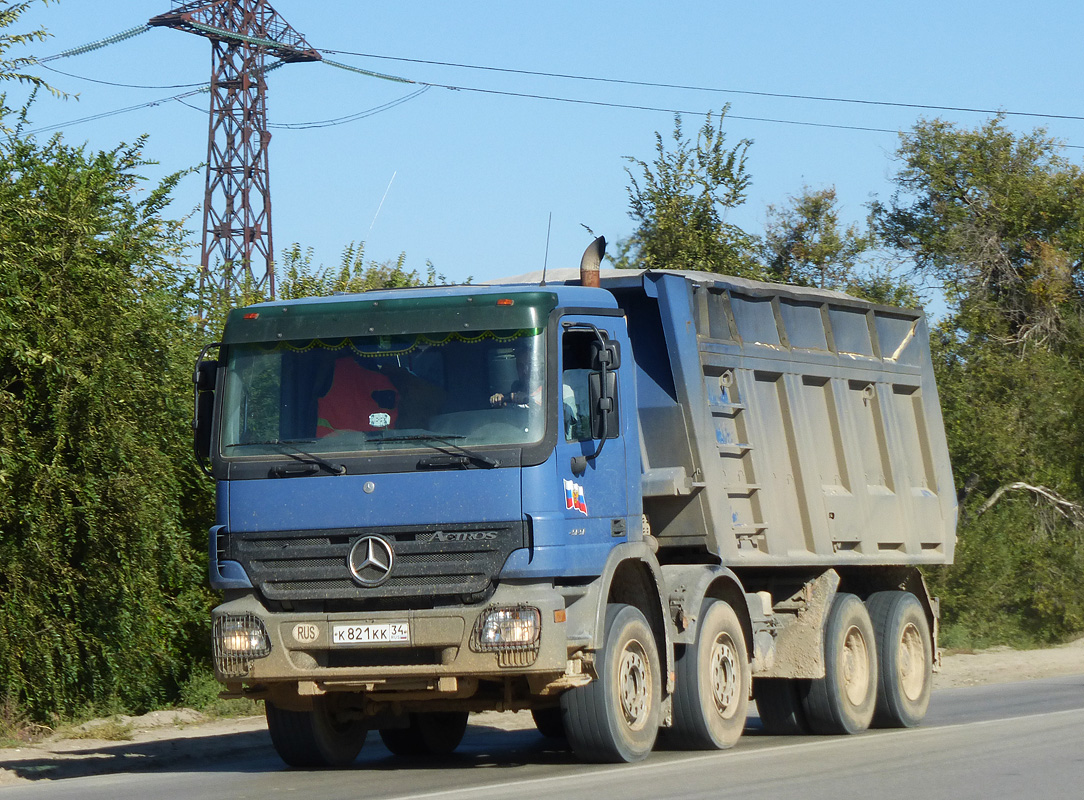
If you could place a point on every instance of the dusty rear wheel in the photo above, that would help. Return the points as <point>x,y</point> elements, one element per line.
<point>323,737</point>
<point>616,718</point>
<point>843,700</point>
<point>905,652</point>
<point>430,733</point>
<point>711,698</point>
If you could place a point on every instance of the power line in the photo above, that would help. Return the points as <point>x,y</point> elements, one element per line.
<point>327,123</point>
<point>128,34</point>
<point>587,78</point>
<point>121,85</point>
<point>688,87</point>
<point>601,103</point>
<point>115,112</point>
<point>632,107</point>
<point>525,95</point>
<point>180,98</point>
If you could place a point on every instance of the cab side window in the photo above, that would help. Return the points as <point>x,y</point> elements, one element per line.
<point>576,385</point>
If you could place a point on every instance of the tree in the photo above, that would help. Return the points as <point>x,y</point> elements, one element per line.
<point>102,514</point>
<point>680,203</point>
<point>297,276</point>
<point>12,69</point>
<point>881,285</point>
<point>804,244</point>
<point>1012,421</point>
<point>997,219</point>
<point>301,279</point>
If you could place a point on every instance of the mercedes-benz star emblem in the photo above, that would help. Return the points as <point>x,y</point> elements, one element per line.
<point>370,560</point>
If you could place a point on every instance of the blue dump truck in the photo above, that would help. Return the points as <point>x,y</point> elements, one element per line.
<point>628,503</point>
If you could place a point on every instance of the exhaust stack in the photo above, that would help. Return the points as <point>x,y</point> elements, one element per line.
<point>589,264</point>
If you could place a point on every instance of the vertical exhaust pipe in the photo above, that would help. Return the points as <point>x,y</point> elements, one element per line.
<point>589,264</point>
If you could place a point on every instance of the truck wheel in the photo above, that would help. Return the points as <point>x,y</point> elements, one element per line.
<point>779,704</point>
<point>843,700</point>
<point>549,722</point>
<point>322,737</point>
<point>905,655</point>
<point>430,733</point>
<point>616,718</point>
<point>711,698</point>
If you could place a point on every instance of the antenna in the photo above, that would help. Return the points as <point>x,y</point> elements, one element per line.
<point>546,260</point>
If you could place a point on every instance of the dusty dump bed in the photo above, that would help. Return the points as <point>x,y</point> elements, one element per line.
<point>786,426</point>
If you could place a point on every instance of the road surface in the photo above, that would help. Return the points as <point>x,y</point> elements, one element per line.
<point>995,741</point>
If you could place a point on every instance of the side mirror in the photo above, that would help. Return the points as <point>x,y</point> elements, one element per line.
<point>605,357</point>
<point>205,405</point>
<point>604,421</point>
<point>203,383</point>
<point>204,378</point>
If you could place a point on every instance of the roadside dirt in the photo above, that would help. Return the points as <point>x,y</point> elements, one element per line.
<point>170,739</point>
<point>1004,665</point>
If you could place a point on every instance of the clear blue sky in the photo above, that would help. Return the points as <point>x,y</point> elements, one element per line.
<point>476,175</point>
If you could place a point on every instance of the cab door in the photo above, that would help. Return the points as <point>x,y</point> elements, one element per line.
<point>595,487</point>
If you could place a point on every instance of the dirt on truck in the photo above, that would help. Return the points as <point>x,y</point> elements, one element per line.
<point>624,501</point>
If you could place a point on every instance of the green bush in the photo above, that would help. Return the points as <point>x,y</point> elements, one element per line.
<point>102,516</point>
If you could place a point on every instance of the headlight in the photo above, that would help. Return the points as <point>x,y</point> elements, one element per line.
<point>500,628</point>
<point>512,632</point>
<point>237,640</point>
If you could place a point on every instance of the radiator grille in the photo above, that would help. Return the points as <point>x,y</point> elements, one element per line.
<point>446,561</point>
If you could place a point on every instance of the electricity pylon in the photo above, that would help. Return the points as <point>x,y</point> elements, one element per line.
<point>237,198</point>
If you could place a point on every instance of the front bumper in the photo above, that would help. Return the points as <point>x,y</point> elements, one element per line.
<point>440,646</point>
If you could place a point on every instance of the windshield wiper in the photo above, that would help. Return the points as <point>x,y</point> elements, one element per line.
<point>446,440</point>
<point>313,462</point>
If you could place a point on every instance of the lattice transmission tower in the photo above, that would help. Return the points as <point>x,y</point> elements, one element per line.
<point>237,199</point>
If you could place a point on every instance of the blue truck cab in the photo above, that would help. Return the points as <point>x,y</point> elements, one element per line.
<point>440,500</point>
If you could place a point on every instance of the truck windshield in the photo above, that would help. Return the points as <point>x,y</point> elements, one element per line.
<point>380,393</point>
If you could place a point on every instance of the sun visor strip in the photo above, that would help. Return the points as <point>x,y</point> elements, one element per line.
<point>389,317</point>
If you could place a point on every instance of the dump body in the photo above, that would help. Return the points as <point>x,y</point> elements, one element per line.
<point>784,426</point>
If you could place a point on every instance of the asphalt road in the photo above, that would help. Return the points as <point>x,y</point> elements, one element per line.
<point>1019,740</point>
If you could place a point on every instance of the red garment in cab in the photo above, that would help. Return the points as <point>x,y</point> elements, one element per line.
<point>359,400</point>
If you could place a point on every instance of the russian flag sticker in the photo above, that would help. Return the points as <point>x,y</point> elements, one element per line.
<point>574,497</point>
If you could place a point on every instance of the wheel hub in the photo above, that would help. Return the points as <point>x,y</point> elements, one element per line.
<point>856,666</point>
<point>911,662</point>
<point>634,685</point>
<point>725,676</point>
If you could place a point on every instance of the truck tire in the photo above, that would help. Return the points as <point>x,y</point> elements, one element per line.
<point>843,701</point>
<point>905,655</point>
<point>711,698</point>
<point>549,722</point>
<point>430,733</point>
<point>317,738</point>
<point>615,718</point>
<point>779,704</point>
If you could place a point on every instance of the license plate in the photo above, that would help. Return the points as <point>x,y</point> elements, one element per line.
<point>371,634</point>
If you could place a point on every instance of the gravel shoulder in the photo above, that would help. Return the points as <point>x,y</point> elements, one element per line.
<point>165,739</point>
<point>1004,665</point>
